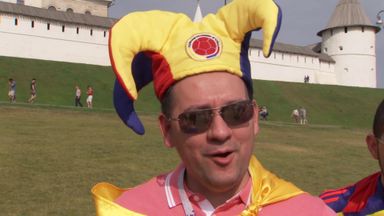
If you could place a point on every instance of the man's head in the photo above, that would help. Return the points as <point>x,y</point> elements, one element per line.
<point>216,154</point>
<point>167,47</point>
<point>375,140</point>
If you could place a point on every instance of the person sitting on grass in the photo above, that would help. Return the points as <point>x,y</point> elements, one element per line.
<point>366,197</point>
<point>201,74</point>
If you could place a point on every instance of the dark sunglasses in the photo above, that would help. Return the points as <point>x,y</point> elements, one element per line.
<point>193,122</point>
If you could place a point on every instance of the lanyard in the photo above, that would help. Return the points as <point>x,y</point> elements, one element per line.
<point>187,206</point>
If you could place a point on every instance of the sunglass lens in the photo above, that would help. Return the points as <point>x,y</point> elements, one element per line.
<point>238,113</point>
<point>196,121</point>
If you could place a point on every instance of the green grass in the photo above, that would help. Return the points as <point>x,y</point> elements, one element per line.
<point>51,153</point>
<point>334,105</point>
<point>50,158</point>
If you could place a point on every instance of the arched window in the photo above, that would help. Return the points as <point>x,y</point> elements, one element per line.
<point>69,10</point>
<point>88,12</point>
<point>51,8</point>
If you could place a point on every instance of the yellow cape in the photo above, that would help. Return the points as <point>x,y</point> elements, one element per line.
<point>266,189</point>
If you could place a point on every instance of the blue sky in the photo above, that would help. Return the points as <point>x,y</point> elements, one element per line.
<point>302,19</point>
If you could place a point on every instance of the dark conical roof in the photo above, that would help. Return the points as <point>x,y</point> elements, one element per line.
<point>349,13</point>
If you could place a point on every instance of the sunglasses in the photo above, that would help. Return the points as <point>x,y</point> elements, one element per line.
<point>198,121</point>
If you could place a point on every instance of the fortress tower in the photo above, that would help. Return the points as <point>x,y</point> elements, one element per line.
<point>350,39</point>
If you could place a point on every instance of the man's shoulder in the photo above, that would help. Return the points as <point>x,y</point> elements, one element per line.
<point>345,198</point>
<point>151,188</point>
<point>303,204</point>
<point>147,198</point>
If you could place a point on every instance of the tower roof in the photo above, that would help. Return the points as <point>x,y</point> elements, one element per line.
<point>198,15</point>
<point>348,13</point>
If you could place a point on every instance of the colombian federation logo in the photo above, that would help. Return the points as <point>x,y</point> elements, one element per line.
<point>203,47</point>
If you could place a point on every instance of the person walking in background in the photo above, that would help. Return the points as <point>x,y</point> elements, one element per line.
<point>12,90</point>
<point>78,96</point>
<point>365,197</point>
<point>303,115</point>
<point>295,115</point>
<point>90,96</point>
<point>33,96</point>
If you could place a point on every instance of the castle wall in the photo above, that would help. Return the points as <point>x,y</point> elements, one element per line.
<point>97,8</point>
<point>28,37</point>
<point>290,67</point>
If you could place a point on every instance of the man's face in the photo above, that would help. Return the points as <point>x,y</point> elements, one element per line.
<point>216,159</point>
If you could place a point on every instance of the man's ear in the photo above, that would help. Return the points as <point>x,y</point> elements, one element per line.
<point>372,144</point>
<point>165,126</point>
<point>255,118</point>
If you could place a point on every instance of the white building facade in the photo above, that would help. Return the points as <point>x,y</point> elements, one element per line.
<point>36,33</point>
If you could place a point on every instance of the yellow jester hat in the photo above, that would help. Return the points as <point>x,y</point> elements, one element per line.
<point>165,47</point>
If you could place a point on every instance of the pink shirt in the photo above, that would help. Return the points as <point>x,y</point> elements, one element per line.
<point>160,196</point>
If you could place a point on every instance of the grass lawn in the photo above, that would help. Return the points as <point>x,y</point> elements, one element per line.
<point>51,157</point>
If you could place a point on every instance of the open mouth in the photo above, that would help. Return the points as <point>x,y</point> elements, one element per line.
<point>222,158</point>
<point>225,154</point>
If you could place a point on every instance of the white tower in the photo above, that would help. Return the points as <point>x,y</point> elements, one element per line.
<point>349,39</point>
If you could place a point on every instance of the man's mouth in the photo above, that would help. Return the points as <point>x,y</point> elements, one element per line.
<point>222,158</point>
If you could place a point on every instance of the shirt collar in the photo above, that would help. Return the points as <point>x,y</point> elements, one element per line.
<point>173,198</point>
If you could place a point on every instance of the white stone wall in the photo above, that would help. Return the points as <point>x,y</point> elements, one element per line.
<point>94,7</point>
<point>33,3</point>
<point>97,8</point>
<point>355,54</point>
<point>61,42</point>
<point>290,67</point>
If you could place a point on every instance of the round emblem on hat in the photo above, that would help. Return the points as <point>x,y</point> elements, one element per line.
<point>203,46</point>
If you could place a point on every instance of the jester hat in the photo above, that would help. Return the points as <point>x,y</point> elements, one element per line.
<point>165,47</point>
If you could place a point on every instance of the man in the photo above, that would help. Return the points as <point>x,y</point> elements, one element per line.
<point>90,97</point>
<point>366,197</point>
<point>33,91</point>
<point>11,90</point>
<point>78,96</point>
<point>201,76</point>
<point>295,115</point>
<point>264,113</point>
<point>303,115</point>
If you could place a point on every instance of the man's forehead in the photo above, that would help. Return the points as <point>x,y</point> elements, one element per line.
<point>215,83</point>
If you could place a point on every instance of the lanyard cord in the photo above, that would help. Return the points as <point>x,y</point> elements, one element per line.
<point>188,210</point>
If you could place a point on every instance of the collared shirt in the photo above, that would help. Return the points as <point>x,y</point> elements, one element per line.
<point>165,199</point>
<point>160,196</point>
